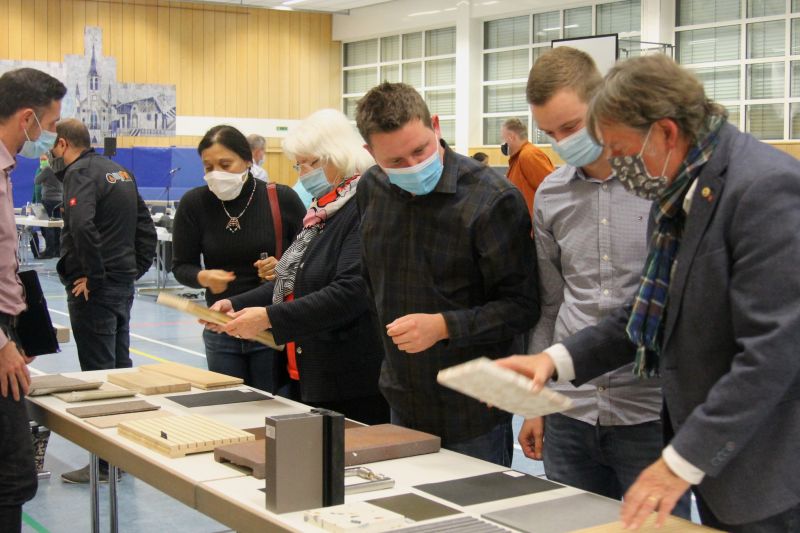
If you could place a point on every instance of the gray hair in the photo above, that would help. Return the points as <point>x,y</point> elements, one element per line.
<point>642,90</point>
<point>328,134</point>
<point>256,141</point>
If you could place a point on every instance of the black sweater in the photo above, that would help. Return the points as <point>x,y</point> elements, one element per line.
<point>199,230</point>
<point>339,350</point>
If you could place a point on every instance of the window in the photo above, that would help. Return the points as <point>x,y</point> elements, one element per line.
<point>425,60</point>
<point>747,55</point>
<point>512,45</point>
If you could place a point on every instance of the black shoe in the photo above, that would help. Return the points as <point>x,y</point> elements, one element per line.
<point>81,475</point>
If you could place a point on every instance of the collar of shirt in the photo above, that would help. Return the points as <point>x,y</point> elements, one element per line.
<point>7,161</point>
<point>578,173</point>
<point>687,200</point>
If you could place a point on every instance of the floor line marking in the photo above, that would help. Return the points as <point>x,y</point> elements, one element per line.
<point>149,355</point>
<point>29,520</point>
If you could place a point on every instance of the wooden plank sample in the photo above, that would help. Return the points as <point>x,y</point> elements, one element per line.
<point>97,394</point>
<point>370,444</point>
<point>110,421</point>
<point>150,382</point>
<point>215,317</point>
<point>176,436</point>
<point>116,408</point>
<point>202,379</point>
<point>251,455</point>
<point>673,524</point>
<point>50,383</point>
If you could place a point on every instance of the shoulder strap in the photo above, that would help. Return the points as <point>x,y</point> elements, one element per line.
<point>275,209</point>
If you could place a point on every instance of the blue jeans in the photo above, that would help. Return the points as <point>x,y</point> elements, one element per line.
<point>251,361</point>
<point>101,325</point>
<point>605,460</point>
<point>495,446</point>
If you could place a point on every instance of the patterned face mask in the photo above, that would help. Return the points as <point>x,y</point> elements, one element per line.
<point>632,173</point>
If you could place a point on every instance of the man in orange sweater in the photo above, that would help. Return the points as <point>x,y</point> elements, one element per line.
<point>528,166</point>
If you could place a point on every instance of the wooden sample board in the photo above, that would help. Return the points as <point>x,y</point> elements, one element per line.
<point>176,436</point>
<point>673,524</point>
<point>50,383</point>
<point>251,455</point>
<point>370,444</point>
<point>214,317</point>
<point>97,394</point>
<point>202,379</point>
<point>116,408</point>
<point>148,383</point>
<point>110,421</point>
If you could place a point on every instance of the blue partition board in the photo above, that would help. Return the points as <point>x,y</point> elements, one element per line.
<point>150,166</point>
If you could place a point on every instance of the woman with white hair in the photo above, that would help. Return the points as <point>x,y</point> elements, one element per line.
<point>317,302</point>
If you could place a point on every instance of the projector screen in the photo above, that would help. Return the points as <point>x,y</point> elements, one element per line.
<point>602,48</point>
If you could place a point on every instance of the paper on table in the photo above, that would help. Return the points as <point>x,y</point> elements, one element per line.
<point>215,317</point>
<point>502,388</point>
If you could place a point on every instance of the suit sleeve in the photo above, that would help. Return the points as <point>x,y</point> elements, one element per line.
<point>507,262</point>
<point>146,238</point>
<point>551,280</point>
<point>81,190</point>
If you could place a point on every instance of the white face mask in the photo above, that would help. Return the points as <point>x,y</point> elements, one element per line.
<point>225,185</point>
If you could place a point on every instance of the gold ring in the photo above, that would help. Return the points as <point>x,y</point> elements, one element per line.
<point>653,499</point>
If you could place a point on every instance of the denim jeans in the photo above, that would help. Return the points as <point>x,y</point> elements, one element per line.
<point>100,325</point>
<point>52,236</point>
<point>605,460</point>
<point>495,446</point>
<point>251,361</point>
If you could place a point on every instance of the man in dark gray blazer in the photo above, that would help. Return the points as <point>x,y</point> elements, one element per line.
<point>718,309</point>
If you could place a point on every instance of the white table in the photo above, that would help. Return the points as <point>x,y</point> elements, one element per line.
<point>24,234</point>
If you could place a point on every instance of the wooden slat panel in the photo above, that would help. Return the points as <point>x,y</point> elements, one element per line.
<point>3,28</point>
<point>14,29</point>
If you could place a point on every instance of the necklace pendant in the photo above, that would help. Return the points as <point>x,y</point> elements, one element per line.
<point>233,225</point>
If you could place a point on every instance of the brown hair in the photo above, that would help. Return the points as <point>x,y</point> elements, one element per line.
<point>562,68</point>
<point>388,107</point>
<point>639,91</point>
<point>74,132</point>
<point>517,126</point>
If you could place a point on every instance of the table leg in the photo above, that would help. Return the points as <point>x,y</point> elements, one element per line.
<point>112,497</point>
<point>94,478</point>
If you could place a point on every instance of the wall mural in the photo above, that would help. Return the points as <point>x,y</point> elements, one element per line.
<point>107,107</point>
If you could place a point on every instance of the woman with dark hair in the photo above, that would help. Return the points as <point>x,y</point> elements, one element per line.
<point>220,231</point>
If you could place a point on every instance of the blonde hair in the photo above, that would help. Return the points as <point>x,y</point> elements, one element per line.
<point>562,68</point>
<point>640,91</point>
<point>328,134</point>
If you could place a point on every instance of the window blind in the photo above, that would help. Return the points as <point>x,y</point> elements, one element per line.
<point>361,53</point>
<point>440,42</point>
<point>694,12</point>
<point>506,32</point>
<point>619,17</point>
<point>509,65</point>
<point>578,22</point>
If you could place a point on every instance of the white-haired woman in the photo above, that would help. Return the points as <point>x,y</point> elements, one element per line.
<point>317,303</point>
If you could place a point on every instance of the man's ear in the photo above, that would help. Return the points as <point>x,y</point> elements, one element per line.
<point>671,132</point>
<point>435,124</point>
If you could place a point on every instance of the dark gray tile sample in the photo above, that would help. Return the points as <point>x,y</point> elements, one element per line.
<point>414,506</point>
<point>222,397</point>
<point>464,524</point>
<point>559,515</point>
<point>487,487</point>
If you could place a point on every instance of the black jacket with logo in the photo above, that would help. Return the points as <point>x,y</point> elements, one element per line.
<point>108,232</point>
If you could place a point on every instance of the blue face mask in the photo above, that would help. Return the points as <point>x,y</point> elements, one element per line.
<point>579,149</point>
<point>316,183</point>
<point>42,145</point>
<point>419,179</point>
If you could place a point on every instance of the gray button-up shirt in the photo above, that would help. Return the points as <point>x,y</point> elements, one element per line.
<point>12,301</point>
<point>591,243</point>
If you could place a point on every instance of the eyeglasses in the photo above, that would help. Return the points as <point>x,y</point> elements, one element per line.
<point>298,166</point>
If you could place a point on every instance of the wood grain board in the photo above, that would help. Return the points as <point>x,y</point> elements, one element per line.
<point>116,408</point>
<point>202,379</point>
<point>97,394</point>
<point>673,524</point>
<point>110,421</point>
<point>176,436</point>
<point>150,382</point>
<point>50,383</point>
<point>370,444</point>
<point>215,317</point>
<point>250,455</point>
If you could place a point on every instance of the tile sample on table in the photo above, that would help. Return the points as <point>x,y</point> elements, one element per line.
<point>251,455</point>
<point>110,421</point>
<point>103,393</point>
<point>505,389</point>
<point>356,516</point>
<point>559,515</point>
<point>148,383</point>
<point>414,506</point>
<point>488,487</point>
<point>117,408</point>
<point>50,383</point>
<point>202,399</point>
<point>463,524</point>
<point>202,379</point>
<point>370,444</point>
<point>176,436</point>
<point>672,524</point>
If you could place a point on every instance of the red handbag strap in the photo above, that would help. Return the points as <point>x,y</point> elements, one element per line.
<point>275,209</point>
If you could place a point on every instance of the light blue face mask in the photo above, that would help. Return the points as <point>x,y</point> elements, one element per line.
<point>579,149</point>
<point>419,179</point>
<point>42,145</point>
<point>316,183</point>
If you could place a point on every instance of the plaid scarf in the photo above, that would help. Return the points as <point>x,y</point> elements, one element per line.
<point>645,325</point>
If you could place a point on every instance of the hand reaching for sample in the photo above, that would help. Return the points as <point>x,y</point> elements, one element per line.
<point>657,488</point>
<point>531,438</point>
<point>215,280</point>
<point>14,375</point>
<point>79,288</point>
<point>221,306</point>
<point>539,368</point>
<point>417,332</point>
<point>247,323</point>
<point>266,268</point>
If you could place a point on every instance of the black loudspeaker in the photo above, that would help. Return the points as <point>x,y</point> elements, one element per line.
<point>110,146</point>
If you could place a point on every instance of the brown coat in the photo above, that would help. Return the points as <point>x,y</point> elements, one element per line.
<point>527,169</point>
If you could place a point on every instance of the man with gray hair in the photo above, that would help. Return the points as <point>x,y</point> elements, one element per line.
<point>527,165</point>
<point>258,145</point>
<point>717,310</point>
